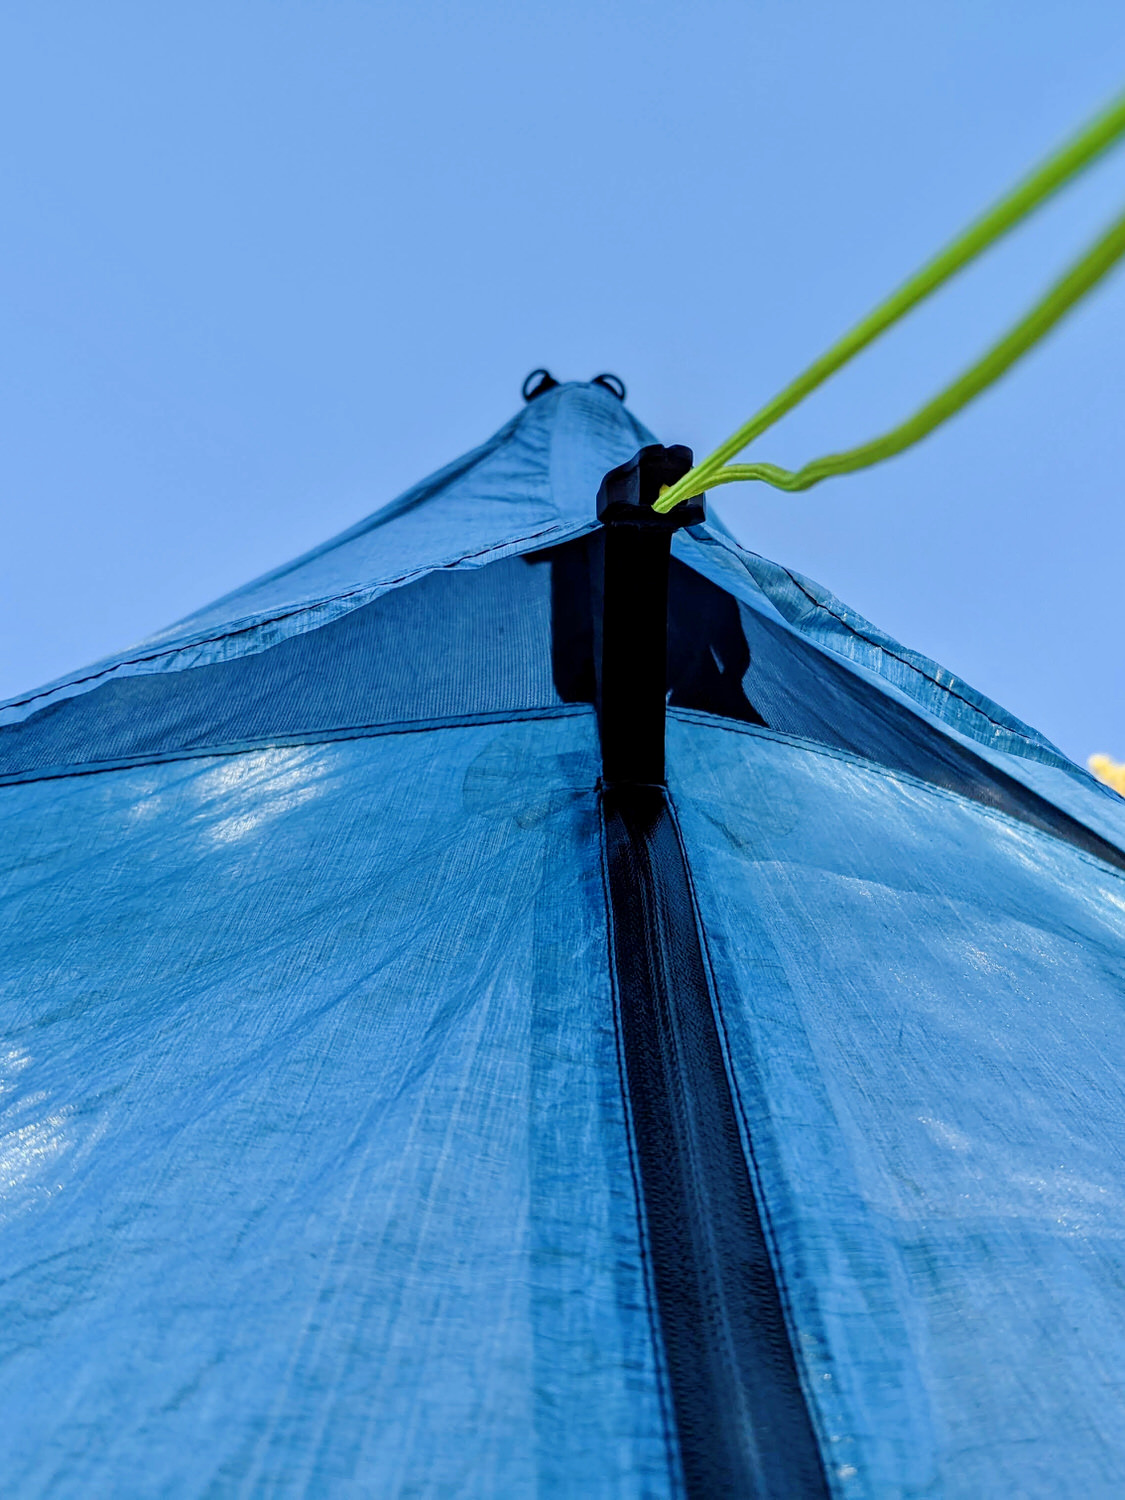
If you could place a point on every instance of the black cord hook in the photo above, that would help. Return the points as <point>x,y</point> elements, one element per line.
<point>546,382</point>
<point>612,383</point>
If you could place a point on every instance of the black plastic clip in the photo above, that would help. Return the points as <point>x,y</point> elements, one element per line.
<point>546,382</point>
<point>611,383</point>
<point>633,660</point>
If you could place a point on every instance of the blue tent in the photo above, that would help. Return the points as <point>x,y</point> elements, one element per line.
<point>389,1112</point>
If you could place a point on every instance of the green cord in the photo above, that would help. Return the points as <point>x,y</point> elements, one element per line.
<point>1083,275</point>
<point>1054,173</point>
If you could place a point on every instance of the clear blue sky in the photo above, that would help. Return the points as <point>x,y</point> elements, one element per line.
<point>265,264</point>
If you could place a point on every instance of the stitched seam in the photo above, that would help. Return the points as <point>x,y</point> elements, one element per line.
<point>754,1169</point>
<point>905,661</point>
<point>709,721</point>
<point>287,742</point>
<point>671,1444</point>
<point>894,655</point>
<point>418,494</point>
<point>258,622</point>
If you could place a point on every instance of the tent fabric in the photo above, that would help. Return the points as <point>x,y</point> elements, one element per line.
<point>821,618</point>
<point>314,1182</point>
<point>525,488</point>
<point>926,1010</point>
<point>450,644</point>
<point>519,634</point>
<point>315,1170</point>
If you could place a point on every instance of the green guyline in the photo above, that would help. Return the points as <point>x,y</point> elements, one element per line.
<point>1015,206</point>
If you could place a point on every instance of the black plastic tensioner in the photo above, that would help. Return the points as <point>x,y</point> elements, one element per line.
<point>633,667</point>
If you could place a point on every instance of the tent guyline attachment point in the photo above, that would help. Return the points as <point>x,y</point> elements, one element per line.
<point>741,1421</point>
<point>540,381</point>
<point>633,667</point>
<point>1060,168</point>
<point>611,383</point>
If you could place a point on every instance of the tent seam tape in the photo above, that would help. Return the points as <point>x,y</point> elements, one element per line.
<point>903,660</point>
<point>754,1169</point>
<point>737,551</point>
<point>251,623</point>
<point>848,757</point>
<point>294,741</point>
<point>671,1442</point>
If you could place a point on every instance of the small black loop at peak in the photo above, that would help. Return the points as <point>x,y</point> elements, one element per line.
<point>612,383</point>
<point>545,382</point>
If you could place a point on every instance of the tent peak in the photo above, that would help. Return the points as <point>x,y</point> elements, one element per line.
<point>540,381</point>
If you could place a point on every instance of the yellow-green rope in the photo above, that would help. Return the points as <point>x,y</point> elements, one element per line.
<point>1053,174</point>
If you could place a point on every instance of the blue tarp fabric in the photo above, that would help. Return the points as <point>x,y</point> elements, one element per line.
<point>314,1163</point>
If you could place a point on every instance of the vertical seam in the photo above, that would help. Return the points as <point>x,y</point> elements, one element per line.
<point>671,1442</point>
<point>752,1162</point>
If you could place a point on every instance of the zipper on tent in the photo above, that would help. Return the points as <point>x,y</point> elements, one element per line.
<point>742,1425</point>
